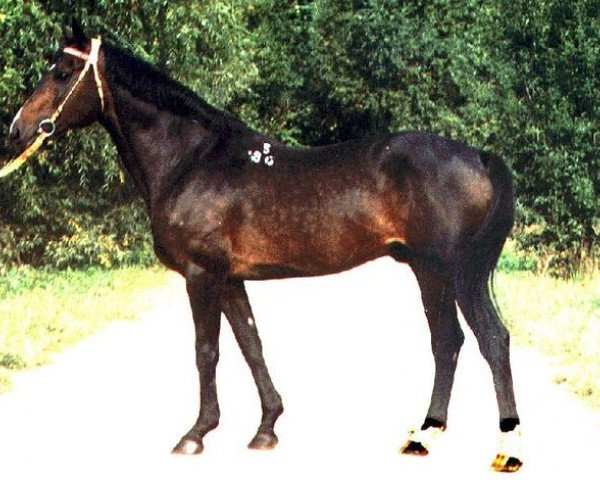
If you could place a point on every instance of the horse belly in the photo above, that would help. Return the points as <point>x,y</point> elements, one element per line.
<point>310,248</point>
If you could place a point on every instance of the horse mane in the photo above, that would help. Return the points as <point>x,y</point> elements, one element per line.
<point>147,82</point>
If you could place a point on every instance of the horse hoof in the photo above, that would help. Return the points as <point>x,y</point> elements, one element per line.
<point>505,463</point>
<point>419,441</point>
<point>263,441</point>
<point>414,448</point>
<point>187,446</point>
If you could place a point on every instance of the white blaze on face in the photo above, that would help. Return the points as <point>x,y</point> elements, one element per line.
<point>17,116</point>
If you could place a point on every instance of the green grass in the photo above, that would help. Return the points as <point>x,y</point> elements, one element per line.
<point>561,319</point>
<point>515,260</point>
<point>42,312</point>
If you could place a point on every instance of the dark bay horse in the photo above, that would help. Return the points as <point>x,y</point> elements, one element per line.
<point>228,204</point>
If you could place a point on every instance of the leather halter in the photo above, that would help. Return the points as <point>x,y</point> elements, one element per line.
<point>47,126</point>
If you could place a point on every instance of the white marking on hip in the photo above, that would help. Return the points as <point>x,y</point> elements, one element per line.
<point>17,116</point>
<point>256,156</point>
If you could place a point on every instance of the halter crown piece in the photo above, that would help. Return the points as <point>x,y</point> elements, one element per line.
<point>91,61</point>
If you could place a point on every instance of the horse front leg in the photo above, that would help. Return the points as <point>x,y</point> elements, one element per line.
<point>204,291</point>
<point>236,308</point>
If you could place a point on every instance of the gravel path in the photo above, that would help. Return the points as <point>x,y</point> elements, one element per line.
<point>349,355</point>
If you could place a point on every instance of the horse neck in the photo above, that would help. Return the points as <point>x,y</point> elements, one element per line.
<point>152,142</point>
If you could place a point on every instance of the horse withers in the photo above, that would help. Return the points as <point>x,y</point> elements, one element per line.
<point>228,204</point>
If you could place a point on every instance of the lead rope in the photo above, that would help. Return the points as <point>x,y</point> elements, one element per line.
<point>91,60</point>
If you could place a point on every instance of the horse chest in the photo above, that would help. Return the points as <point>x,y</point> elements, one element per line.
<point>181,238</point>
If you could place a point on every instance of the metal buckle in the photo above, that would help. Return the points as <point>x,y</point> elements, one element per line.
<point>42,128</point>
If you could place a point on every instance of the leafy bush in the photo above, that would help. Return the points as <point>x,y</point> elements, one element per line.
<point>114,242</point>
<point>554,135</point>
<point>513,259</point>
<point>518,78</point>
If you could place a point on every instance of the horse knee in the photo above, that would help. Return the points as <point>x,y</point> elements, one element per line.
<point>207,355</point>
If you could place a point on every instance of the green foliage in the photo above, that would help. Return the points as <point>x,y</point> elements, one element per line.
<point>518,78</point>
<point>516,260</point>
<point>554,46</point>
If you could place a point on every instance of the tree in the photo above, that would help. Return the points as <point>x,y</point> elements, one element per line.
<point>519,78</point>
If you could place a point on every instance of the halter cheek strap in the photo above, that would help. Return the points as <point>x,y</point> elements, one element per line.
<point>91,60</point>
<point>47,126</point>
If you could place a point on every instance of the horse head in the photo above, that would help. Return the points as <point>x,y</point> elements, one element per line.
<point>69,95</point>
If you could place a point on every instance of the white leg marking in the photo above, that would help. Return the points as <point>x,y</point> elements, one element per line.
<point>425,437</point>
<point>510,443</point>
<point>250,321</point>
<point>190,447</point>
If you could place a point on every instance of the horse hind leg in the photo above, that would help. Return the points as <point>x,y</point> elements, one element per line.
<point>236,308</point>
<point>437,293</point>
<point>475,302</point>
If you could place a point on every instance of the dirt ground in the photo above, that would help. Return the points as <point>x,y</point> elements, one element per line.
<point>350,356</point>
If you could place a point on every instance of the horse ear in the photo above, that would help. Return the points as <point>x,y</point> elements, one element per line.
<point>76,36</point>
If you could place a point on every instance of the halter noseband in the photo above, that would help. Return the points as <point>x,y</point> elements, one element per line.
<point>47,126</point>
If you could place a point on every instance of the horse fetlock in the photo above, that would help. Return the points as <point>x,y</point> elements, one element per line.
<point>274,406</point>
<point>508,458</point>
<point>205,425</point>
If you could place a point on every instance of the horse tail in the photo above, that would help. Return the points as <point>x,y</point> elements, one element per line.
<point>478,256</point>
